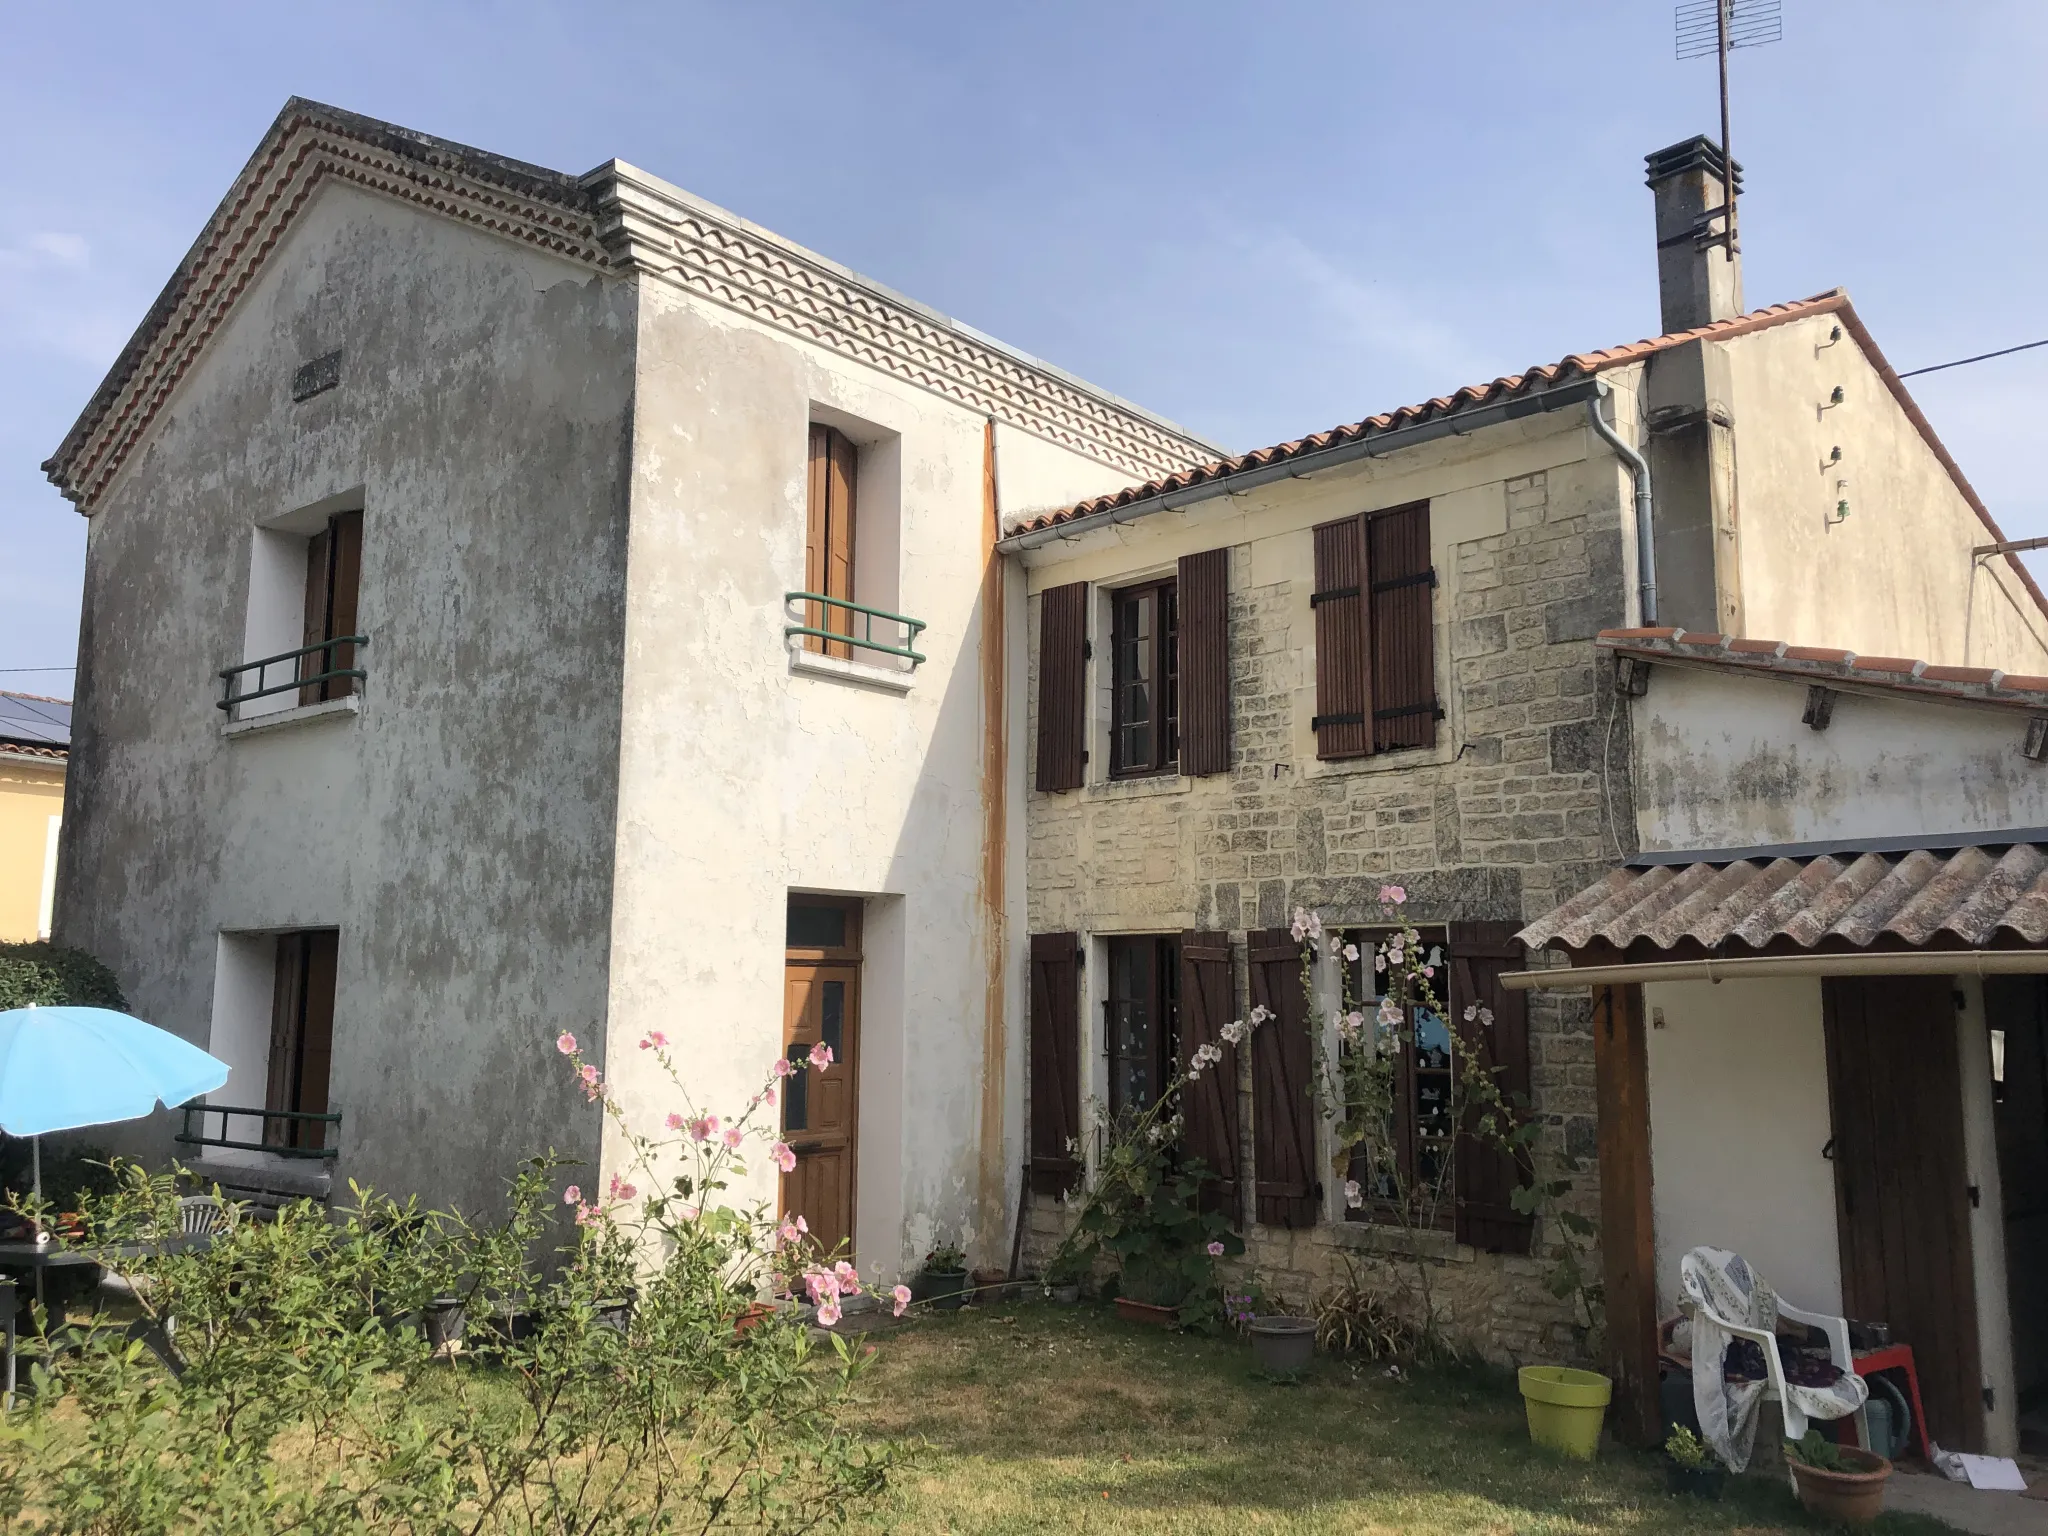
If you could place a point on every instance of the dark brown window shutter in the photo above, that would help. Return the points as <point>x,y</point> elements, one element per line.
<point>1486,1176</point>
<point>1208,995</point>
<point>1283,1080</point>
<point>346,532</point>
<point>1342,603</point>
<point>828,535</point>
<point>1055,1061</point>
<point>1204,586</point>
<point>1062,685</point>
<point>1401,597</point>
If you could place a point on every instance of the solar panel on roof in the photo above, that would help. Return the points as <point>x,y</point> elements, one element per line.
<point>39,722</point>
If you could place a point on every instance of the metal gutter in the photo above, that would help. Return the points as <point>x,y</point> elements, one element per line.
<point>2010,837</point>
<point>1393,440</point>
<point>1922,962</point>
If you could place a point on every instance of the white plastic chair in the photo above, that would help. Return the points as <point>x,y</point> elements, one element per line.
<point>199,1215</point>
<point>1839,1354</point>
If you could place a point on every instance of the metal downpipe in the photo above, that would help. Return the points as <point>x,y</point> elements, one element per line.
<point>1639,471</point>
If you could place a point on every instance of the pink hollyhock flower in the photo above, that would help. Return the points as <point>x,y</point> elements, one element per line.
<point>901,1296</point>
<point>566,1043</point>
<point>783,1067</point>
<point>654,1040</point>
<point>821,1055</point>
<point>768,1095</point>
<point>828,1315</point>
<point>585,1215</point>
<point>786,1234</point>
<point>822,1284</point>
<point>802,1225</point>
<point>1215,1250</point>
<point>674,1121</point>
<point>590,1084</point>
<point>785,1158</point>
<point>733,1138</point>
<point>848,1277</point>
<point>620,1189</point>
<point>704,1127</point>
<point>572,1196</point>
<point>1393,894</point>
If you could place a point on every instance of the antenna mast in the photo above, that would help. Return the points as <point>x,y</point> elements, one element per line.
<point>1733,24</point>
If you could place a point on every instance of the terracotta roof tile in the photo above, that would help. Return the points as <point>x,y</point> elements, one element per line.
<point>1531,380</point>
<point>1820,664</point>
<point>1969,897</point>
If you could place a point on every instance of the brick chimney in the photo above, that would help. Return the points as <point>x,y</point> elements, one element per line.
<point>1696,283</point>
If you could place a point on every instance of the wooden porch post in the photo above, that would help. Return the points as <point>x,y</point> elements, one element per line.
<point>1628,1249</point>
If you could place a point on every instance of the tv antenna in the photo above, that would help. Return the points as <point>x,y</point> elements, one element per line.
<point>1716,26</point>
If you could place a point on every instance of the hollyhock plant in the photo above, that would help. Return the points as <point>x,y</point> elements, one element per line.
<point>900,1295</point>
<point>821,1056</point>
<point>784,1156</point>
<point>566,1043</point>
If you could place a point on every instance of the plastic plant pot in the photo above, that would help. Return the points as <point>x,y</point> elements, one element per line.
<point>1283,1346</point>
<point>1565,1408</point>
<point>945,1289</point>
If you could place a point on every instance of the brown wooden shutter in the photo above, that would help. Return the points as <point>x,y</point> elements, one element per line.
<point>344,588</point>
<point>1208,997</point>
<point>319,583</point>
<point>1062,685</point>
<point>1283,1082</point>
<point>829,535</point>
<point>1055,1061</point>
<point>1401,597</point>
<point>1344,675</point>
<point>1485,1175</point>
<point>1204,588</point>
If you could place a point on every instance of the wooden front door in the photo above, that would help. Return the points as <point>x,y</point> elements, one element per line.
<point>820,1109</point>
<point>1902,1195</point>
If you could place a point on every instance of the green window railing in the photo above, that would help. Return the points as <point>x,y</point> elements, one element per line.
<point>234,679</point>
<point>822,611</point>
<point>287,1132</point>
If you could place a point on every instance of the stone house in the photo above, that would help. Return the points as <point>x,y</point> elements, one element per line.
<point>1366,657</point>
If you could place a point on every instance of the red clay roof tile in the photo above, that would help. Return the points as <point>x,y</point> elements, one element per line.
<point>1821,664</point>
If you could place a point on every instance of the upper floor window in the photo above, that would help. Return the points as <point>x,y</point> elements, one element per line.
<point>829,534</point>
<point>1145,685</point>
<point>1375,646</point>
<point>302,640</point>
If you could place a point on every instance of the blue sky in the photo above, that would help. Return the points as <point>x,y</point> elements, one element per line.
<point>1258,220</point>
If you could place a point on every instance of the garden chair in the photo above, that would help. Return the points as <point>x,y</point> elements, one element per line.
<point>202,1215</point>
<point>1728,1300</point>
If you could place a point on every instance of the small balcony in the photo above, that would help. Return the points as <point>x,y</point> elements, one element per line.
<point>312,674</point>
<point>287,1133</point>
<point>834,626</point>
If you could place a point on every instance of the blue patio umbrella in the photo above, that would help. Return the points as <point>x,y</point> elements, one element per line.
<point>63,1068</point>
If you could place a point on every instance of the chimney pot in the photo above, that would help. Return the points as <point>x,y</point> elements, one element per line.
<point>1696,284</point>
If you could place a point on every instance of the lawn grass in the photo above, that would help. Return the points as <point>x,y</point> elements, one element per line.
<point>1036,1418</point>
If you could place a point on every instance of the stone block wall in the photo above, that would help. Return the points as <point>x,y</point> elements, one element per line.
<point>1525,800</point>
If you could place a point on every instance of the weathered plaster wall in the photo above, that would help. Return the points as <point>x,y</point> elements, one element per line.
<point>31,793</point>
<point>1738,1105</point>
<point>1523,801</point>
<point>458,831</point>
<point>1723,761</point>
<point>1897,577</point>
<point>742,779</point>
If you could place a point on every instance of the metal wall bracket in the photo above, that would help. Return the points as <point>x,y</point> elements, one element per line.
<point>1820,706</point>
<point>1631,676</point>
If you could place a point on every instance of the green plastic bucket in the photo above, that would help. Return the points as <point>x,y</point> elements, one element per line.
<point>1565,1407</point>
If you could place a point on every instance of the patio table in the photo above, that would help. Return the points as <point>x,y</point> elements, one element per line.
<point>37,1258</point>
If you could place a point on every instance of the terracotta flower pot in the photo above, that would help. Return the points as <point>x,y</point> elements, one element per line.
<point>754,1315</point>
<point>1146,1312</point>
<point>1848,1498</point>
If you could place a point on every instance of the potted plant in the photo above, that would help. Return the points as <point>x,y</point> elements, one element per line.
<point>444,1321</point>
<point>1690,1466</point>
<point>1565,1407</point>
<point>1841,1483</point>
<point>1061,1282</point>
<point>943,1280</point>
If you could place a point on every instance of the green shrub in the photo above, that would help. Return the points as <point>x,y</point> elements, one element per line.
<point>49,975</point>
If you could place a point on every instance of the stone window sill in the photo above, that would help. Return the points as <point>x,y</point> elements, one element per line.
<point>1401,1242</point>
<point>859,673</point>
<point>1140,789</point>
<point>347,708</point>
<point>1382,762</point>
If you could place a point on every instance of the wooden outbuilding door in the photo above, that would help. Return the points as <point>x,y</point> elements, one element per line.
<point>1902,1194</point>
<point>820,1110</point>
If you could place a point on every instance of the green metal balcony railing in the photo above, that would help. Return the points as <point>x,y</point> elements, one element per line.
<point>826,609</point>
<point>297,1133</point>
<point>320,682</point>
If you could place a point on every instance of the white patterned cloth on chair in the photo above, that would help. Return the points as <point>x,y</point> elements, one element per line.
<point>1725,1290</point>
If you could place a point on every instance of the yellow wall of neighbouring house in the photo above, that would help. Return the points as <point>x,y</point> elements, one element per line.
<point>31,794</point>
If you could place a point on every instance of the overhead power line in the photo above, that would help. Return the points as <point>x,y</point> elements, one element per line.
<point>2025,346</point>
